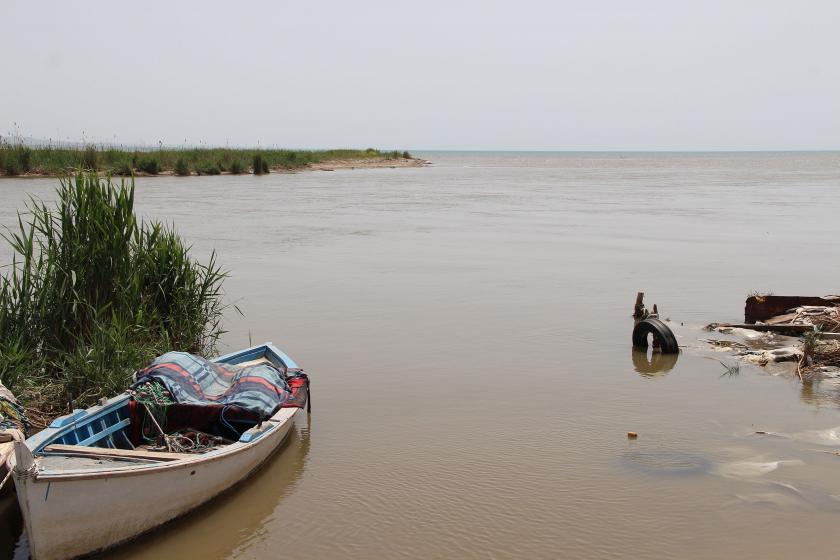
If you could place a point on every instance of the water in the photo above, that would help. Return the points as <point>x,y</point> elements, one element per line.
<point>467,327</point>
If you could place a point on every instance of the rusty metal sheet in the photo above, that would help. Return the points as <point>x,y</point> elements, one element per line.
<point>761,308</point>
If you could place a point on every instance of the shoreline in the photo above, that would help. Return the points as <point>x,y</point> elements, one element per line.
<point>326,165</point>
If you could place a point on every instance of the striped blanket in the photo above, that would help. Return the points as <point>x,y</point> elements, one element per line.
<point>260,388</point>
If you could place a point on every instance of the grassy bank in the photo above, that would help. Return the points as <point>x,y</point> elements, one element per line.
<point>92,294</point>
<point>16,159</point>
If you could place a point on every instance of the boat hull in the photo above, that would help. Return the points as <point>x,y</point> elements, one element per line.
<point>80,492</point>
<point>71,515</point>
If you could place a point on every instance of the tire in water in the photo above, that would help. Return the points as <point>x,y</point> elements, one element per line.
<point>663,336</point>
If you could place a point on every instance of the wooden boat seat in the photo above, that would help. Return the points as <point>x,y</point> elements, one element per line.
<point>114,453</point>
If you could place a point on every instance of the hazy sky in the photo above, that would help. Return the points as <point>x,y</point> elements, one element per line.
<point>581,75</point>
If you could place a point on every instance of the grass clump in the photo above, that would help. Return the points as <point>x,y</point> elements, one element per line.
<point>182,168</point>
<point>93,293</point>
<point>208,169</point>
<point>148,164</point>
<point>123,169</point>
<point>260,165</point>
<point>16,159</point>
<point>90,158</point>
<point>24,156</point>
<point>10,166</point>
<point>237,167</point>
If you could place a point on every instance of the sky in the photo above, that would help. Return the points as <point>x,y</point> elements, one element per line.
<point>514,75</point>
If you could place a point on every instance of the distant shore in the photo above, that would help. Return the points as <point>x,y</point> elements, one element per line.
<point>370,163</point>
<point>20,161</point>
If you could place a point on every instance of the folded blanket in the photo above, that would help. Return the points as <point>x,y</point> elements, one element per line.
<point>260,388</point>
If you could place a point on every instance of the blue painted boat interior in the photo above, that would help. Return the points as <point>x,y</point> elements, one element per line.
<point>103,426</point>
<point>107,425</point>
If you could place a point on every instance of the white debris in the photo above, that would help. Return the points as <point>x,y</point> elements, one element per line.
<point>773,356</point>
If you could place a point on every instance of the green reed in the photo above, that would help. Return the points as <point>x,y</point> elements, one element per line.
<point>93,293</point>
<point>17,159</point>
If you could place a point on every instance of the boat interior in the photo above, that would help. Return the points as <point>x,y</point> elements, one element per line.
<point>122,431</point>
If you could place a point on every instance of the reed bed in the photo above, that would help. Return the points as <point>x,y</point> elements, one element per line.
<point>18,159</point>
<point>93,293</point>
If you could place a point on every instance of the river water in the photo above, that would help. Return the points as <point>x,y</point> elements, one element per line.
<point>467,328</point>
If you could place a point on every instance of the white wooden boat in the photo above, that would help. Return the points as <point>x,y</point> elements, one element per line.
<point>82,487</point>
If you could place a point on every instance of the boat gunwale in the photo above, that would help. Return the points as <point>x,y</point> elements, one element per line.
<point>189,460</point>
<point>276,422</point>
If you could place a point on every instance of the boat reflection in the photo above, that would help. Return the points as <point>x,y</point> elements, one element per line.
<point>653,364</point>
<point>11,523</point>
<point>218,529</point>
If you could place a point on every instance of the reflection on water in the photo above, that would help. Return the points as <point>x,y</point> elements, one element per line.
<point>11,523</point>
<point>470,356</point>
<point>207,532</point>
<point>649,363</point>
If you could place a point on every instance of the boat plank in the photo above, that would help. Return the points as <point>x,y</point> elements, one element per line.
<point>262,360</point>
<point>105,452</point>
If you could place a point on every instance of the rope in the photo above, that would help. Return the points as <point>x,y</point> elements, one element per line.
<point>156,400</point>
<point>5,478</point>
<point>192,441</point>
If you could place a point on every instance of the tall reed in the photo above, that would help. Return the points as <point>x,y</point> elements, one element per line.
<point>92,293</point>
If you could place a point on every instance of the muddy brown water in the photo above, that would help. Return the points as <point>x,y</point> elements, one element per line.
<point>467,327</point>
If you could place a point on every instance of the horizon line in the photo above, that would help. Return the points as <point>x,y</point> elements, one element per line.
<point>40,142</point>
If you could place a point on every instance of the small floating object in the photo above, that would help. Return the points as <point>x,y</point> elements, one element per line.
<point>98,477</point>
<point>632,435</point>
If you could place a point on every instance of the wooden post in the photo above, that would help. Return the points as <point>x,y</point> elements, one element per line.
<point>639,309</point>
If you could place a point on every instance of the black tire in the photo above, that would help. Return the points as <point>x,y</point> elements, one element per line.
<point>663,336</point>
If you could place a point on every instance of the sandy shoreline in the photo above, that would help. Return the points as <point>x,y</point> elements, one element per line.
<point>371,163</point>
<point>329,165</point>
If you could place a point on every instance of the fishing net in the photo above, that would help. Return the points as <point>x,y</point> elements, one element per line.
<point>157,401</point>
<point>189,441</point>
<point>12,416</point>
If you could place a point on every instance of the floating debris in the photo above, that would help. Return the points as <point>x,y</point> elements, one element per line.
<point>813,321</point>
<point>725,345</point>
